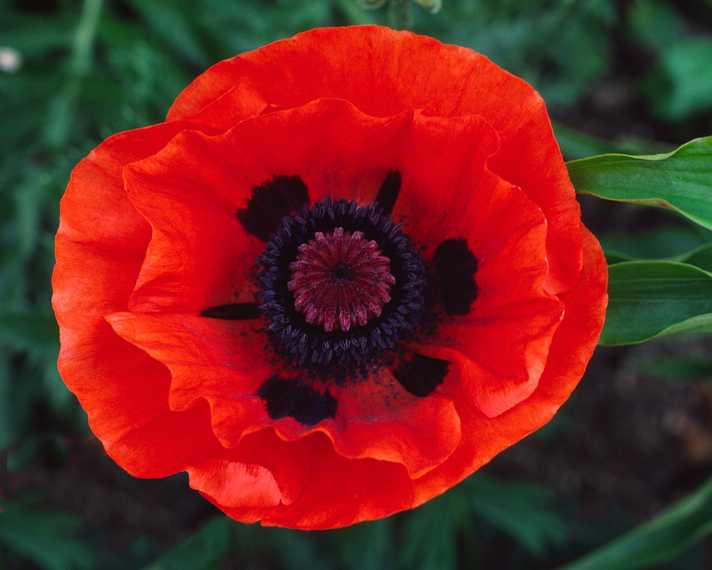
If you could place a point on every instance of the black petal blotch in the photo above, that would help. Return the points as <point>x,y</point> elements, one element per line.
<point>294,398</point>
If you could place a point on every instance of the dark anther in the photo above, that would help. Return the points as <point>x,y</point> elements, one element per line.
<point>312,328</point>
<point>295,399</point>
<point>455,268</point>
<point>270,202</point>
<point>420,375</point>
<point>388,192</point>
<point>234,312</point>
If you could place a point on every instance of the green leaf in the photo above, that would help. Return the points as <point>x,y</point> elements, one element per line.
<point>172,23</point>
<point>34,37</point>
<point>648,299</point>
<point>700,257</point>
<point>283,548</point>
<point>365,546</point>
<point>27,330</point>
<point>46,538</point>
<point>430,533</point>
<point>681,84</point>
<point>62,110</point>
<point>296,550</point>
<point>680,180</point>
<point>7,419</point>
<point>432,6</point>
<point>680,368</point>
<point>355,12</point>
<point>658,541</point>
<point>614,256</point>
<point>578,144</point>
<point>664,242</point>
<point>522,510</point>
<point>200,551</point>
<point>656,24</point>
<point>28,196</point>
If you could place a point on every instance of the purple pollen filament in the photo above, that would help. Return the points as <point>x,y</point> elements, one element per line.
<point>340,280</point>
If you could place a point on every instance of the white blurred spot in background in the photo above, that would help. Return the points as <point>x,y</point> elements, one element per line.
<point>10,59</point>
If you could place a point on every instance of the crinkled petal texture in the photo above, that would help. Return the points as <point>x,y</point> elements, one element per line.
<point>149,238</point>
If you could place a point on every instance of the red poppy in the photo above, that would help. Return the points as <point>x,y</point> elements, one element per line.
<point>346,272</point>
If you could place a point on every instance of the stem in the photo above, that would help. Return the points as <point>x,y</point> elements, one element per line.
<point>355,13</point>
<point>400,14</point>
<point>62,108</point>
<point>84,37</point>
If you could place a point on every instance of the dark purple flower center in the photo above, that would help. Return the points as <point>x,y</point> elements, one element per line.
<point>340,286</point>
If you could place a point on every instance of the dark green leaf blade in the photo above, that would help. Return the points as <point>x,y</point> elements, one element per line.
<point>648,299</point>
<point>658,541</point>
<point>28,330</point>
<point>700,257</point>
<point>200,551</point>
<point>429,534</point>
<point>681,85</point>
<point>613,256</point>
<point>578,144</point>
<point>522,510</point>
<point>685,368</point>
<point>680,180</point>
<point>171,21</point>
<point>46,538</point>
<point>365,546</point>
<point>666,242</point>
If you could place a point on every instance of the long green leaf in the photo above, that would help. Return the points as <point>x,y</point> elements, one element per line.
<point>46,538</point>
<point>681,84</point>
<point>658,541</point>
<point>171,21</point>
<point>687,368</point>
<point>365,546</point>
<point>648,299</point>
<point>200,551</point>
<point>680,180</point>
<point>700,257</point>
<point>430,534</point>
<point>578,144</point>
<point>524,511</point>
<point>63,108</point>
<point>28,330</point>
<point>283,548</point>
<point>666,242</point>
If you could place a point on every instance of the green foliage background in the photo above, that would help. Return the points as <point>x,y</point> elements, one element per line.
<point>618,75</point>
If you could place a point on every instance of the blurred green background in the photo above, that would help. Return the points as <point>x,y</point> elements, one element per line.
<point>636,436</point>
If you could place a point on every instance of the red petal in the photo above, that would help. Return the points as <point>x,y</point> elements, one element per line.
<point>443,164</point>
<point>405,79</point>
<point>319,489</point>
<point>190,191</point>
<point>222,362</point>
<point>99,249</point>
<point>502,346</point>
<point>378,419</point>
<point>384,72</point>
<point>324,489</point>
<point>199,255</point>
<point>572,347</point>
<point>337,150</point>
<point>232,484</point>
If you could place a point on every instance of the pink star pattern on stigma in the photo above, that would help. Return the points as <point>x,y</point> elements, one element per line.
<point>340,279</point>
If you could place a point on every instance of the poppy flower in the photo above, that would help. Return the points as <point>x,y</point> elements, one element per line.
<point>346,272</point>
